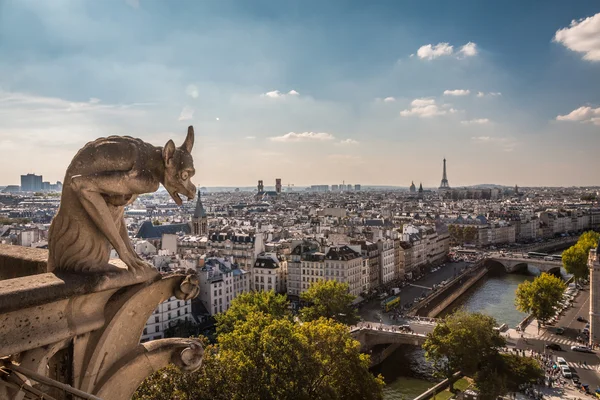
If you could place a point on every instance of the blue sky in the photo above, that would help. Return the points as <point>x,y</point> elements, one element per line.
<point>309,91</point>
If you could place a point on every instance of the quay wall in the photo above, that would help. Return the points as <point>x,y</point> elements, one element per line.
<point>423,308</point>
<point>460,290</point>
<point>380,356</point>
<point>429,393</point>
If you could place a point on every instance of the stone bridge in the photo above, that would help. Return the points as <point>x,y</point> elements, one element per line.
<point>371,335</point>
<point>512,264</point>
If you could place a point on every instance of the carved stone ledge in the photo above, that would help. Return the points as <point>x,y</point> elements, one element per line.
<point>97,320</point>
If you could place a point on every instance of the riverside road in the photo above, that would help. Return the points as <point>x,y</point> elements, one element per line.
<point>584,365</point>
<point>371,311</point>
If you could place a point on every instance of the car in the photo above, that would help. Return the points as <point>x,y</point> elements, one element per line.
<point>566,372</point>
<point>581,319</point>
<point>582,349</point>
<point>560,331</point>
<point>554,346</point>
<point>561,361</point>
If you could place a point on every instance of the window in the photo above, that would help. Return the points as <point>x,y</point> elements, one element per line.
<point>145,331</point>
<point>156,329</point>
<point>156,319</point>
<point>169,316</point>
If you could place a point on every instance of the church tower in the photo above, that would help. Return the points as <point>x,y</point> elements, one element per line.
<point>199,220</point>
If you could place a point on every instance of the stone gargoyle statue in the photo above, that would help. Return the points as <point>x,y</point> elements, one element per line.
<point>105,176</point>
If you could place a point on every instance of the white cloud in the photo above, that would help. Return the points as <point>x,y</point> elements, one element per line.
<point>186,114</point>
<point>250,137</point>
<point>349,141</point>
<point>389,100</point>
<point>426,108</point>
<point>430,51</point>
<point>582,114</point>
<point>303,137</point>
<point>94,100</point>
<point>502,143</point>
<point>276,94</point>
<point>468,50</point>
<point>489,94</point>
<point>192,91</point>
<point>582,36</point>
<point>479,121</point>
<point>457,92</point>
<point>422,102</point>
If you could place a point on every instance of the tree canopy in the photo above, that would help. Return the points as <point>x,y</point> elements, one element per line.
<point>468,342</point>
<point>462,342</point>
<point>262,353</point>
<point>329,299</point>
<point>540,296</point>
<point>575,257</point>
<point>275,305</point>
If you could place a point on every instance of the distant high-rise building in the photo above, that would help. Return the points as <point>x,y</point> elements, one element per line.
<point>334,188</point>
<point>356,187</point>
<point>412,188</point>
<point>31,183</point>
<point>278,185</point>
<point>444,185</point>
<point>261,187</point>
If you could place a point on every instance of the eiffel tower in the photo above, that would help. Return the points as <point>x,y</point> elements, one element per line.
<point>444,185</point>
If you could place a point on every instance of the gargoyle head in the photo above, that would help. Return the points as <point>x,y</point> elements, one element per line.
<point>179,168</point>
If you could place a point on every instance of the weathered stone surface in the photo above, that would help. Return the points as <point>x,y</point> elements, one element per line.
<point>18,261</point>
<point>71,311</point>
<point>105,176</point>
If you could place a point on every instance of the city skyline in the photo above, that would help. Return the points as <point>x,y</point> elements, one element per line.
<point>374,94</point>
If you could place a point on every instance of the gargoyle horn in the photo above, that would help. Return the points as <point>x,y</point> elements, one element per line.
<point>189,140</point>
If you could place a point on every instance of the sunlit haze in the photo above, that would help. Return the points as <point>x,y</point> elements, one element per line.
<point>312,92</point>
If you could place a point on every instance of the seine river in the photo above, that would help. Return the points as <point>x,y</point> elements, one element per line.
<point>405,371</point>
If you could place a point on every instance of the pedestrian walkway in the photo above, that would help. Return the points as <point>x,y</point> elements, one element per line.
<point>577,366</point>
<point>550,337</point>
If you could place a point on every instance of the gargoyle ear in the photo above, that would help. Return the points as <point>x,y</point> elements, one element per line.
<point>168,151</point>
<point>189,140</point>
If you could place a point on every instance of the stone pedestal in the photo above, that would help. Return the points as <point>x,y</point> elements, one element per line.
<point>83,330</point>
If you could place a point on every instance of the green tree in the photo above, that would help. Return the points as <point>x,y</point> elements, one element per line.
<point>273,359</point>
<point>329,299</point>
<point>520,370</point>
<point>540,296</point>
<point>588,240</point>
<point>156,222</point>
<point>574,260</point>
<point>462,342</point>
<point>268,303</point>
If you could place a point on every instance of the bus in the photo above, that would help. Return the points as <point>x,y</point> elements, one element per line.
<point>390,303</point>
<point>533,254</point>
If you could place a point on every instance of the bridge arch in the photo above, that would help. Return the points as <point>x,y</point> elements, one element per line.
<point>495,265</point>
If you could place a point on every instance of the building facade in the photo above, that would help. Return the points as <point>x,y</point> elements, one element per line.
<point>270,273</point>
